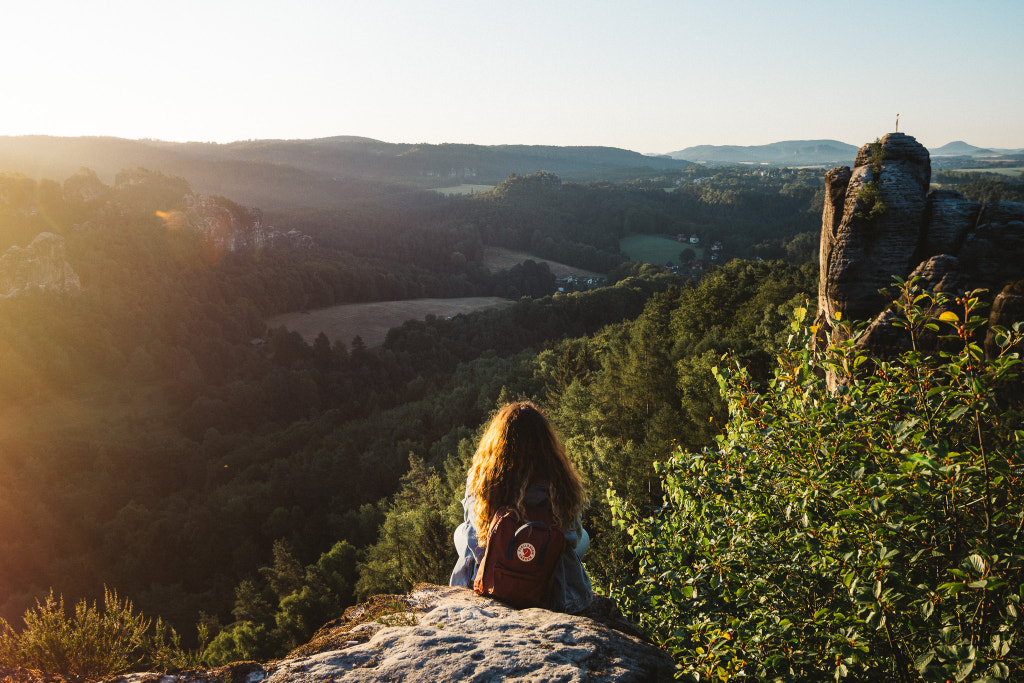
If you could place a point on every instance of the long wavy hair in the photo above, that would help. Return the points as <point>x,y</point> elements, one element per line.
<point>518,450</point>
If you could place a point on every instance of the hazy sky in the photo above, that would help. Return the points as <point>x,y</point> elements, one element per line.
<point>646,75</point>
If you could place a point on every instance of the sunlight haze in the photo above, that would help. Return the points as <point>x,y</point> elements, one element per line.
<point>649,76</point>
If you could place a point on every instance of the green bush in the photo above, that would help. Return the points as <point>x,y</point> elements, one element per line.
<point>91,643</point>
<point>869,196</point>
<point>869,533</point>
<point>871,203</point>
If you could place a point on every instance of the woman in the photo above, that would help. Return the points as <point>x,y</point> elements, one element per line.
<point>520,462</point>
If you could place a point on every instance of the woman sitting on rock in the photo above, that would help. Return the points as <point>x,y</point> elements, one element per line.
<point>520,463</point>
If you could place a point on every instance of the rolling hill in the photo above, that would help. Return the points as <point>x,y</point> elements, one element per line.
<point>789,153</point>
<point>274,173</point>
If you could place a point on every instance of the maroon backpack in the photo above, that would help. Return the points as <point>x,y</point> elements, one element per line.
<point>521,557</point>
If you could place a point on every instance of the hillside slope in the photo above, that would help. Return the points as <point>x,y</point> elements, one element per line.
<point>789,153</point>
<point>273,173</point>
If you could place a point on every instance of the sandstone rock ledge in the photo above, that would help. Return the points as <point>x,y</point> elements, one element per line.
<point>451,634</point>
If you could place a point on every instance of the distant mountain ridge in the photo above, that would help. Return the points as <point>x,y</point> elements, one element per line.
<point>962,149</point>
<point>811,153</point>
<point>788,153</point>
<point>277,173</point>
<point>272,173</point>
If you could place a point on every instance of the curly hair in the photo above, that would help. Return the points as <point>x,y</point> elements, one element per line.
<point>520,449</point>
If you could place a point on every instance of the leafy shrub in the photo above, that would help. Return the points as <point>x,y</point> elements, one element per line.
<point>870,533</point>
<point>869,196</point>
<point>91,643</point>
<point>872,205</point>
<point>877,156</point>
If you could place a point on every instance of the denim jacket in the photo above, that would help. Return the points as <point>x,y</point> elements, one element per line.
<point>571,591</point>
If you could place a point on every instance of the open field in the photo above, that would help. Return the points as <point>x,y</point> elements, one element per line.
<point>373,320</point>
<point>1014,172</point>
<point>656,249</point>
<point>463,189</point>
<point>500,258</point>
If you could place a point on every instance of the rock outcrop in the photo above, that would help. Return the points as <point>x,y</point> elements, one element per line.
<point>880,220</point>
<point>452,634</point>
<point>234,228</point>
<point>39,266</point>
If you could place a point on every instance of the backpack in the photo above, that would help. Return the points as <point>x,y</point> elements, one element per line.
<point>521,557</point>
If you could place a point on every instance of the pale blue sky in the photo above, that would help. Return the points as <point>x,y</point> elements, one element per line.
<point>646,75</point>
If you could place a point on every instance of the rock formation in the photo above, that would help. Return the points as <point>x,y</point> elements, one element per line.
<point>880,220</point>
<point>224,226</point>
<point>227,229</point>
<point>452,634</point>
<point>39,266</point>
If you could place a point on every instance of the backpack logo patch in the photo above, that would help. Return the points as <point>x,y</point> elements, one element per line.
<point>526,552</point>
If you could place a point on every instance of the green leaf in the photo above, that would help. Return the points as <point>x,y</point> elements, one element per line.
<point>975,564</point>
<point>958,413</point>
<point>923,660</point>
<point>952,587</point>
<point>902,428</point>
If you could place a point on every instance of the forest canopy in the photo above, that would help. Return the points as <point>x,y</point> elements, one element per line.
<point>143,425</point>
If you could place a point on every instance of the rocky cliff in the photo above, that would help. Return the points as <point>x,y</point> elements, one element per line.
<point>452,634</point>
<point>39,266</point>
<point>881,220</point>
<point>234,228</point>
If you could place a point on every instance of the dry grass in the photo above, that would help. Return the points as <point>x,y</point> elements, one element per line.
<point>499,258</point>
<point>373,320</point>
<point>463,189</point>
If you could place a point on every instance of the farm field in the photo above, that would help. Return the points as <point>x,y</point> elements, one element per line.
<point>463,189</point>
<point>371,321</point>
<point>1014,172</point>
<point>656,249</point>
<point>500,258</point>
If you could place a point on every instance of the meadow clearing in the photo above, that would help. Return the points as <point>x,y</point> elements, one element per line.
<point>500,258</point>
<point>463,189</point>
<point>371,321</point>
<point>656,249</point>
<point>1014,172</point>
